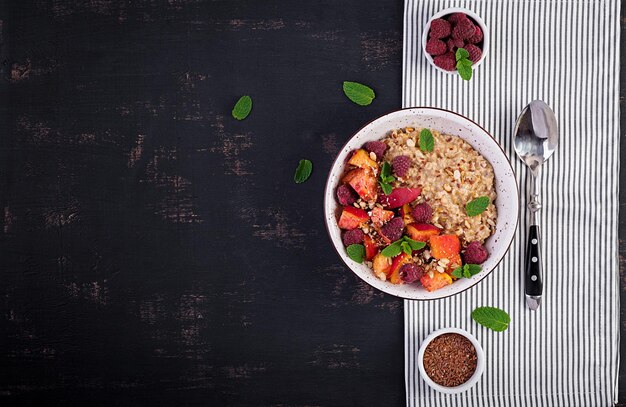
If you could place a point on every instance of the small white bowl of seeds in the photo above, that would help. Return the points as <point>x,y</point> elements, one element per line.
<point>451,360</point>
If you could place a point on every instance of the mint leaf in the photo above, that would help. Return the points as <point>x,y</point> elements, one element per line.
<point>462,53</point>
<point>465,62</point>
<point>464,70</point>
<point>358,93</point>
<point>426,141</point>
<point>356,252</point>
<point>406,248</point>
<point>458,272</point>
<point>473,269</point>
<point>386,178</point>
<point>415,245</point>
<point>385,187</point>
<point>385,171</point>
<point>477,206</point>
<point>392,250</point>
<point>303,172</point>
<point>242,108</point>
<point>492,318</point>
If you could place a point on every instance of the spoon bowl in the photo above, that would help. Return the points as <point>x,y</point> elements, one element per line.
<point>536,135</point>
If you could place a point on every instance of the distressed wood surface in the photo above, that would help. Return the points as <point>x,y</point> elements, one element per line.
<point>155,251</point>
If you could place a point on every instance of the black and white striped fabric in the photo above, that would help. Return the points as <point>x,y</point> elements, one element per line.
<point>566,53</point>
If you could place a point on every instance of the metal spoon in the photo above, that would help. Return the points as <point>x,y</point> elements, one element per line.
<point>536,138</point>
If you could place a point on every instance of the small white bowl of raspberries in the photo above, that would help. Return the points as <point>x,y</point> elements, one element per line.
<point>451,29</point>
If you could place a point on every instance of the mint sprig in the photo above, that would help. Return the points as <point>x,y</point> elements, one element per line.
<point>385,179</point>
<point>466,271</point>
<point>464,64</point>
<point>242,108</point>
<point>477,206</point>
<point>426,141</point>
<point>405,244</point>
<point>303,172</point>
<point>356,252</point>
<point>358,93</point>
<point>492,318</point>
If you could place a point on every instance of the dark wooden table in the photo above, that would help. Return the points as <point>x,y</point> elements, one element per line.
<point>153,250</point>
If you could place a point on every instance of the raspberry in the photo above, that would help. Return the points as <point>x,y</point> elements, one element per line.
<point>354,236</point>
<point>456,17</point>
<point>376,147</point>
<point>422,213</point>
<point>411,272</point>
<point>439,28</point>
<point>474,52</point>
<point>393,229</point>
<point>475,253</point>
<point>346,195</point>
<point>477,37</point>
<point>464,29</point>
<point>446,61</point>
<point>436,47</point>
<point>454,44</point>
<point>401,165</point>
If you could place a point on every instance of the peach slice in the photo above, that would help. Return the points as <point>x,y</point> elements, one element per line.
<point>398,261</point>
<point>406,213</point>
<point>437,281</point>
<point>399,197</point>
<point>363,181</point>
<point>381,216</point>
<point>445,246</point>
<point>381,265</point>
<point>352,218</point>
<point>370,247</point>
<point>361,159</point>
<point>422,232</point>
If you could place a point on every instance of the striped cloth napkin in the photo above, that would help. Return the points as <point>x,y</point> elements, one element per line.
<point>566,53</point>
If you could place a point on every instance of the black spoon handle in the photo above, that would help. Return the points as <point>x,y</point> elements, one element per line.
<point>534,281</point>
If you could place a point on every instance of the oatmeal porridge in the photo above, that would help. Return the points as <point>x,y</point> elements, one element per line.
<point>418,206</point>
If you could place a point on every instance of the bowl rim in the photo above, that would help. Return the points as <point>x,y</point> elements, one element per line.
<point>480,359</point>
<point>450,10</point>
<point>326,197</point>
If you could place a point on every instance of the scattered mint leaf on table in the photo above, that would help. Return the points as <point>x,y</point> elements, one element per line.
<point>356,252</point>
<point>242,108</point>
<point>358,93</point>
<point>477,206</point>
<point>492,318</point>
<point>303,172</point>
<point>426,141</point>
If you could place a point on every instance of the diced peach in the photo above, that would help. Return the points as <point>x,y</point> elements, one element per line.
<point>437,281</point>
<point>352,218</point>
<point>381,216</point>
<point>398,261</point>
<point>399,197</point>
<point>455,261</point>
<point>405,212</point>
<point>361,159</point>
<point>445,246</point>
<point>422,232</point>
<point>381,265</point>
<point>363,181</point>
<point>370,247</point>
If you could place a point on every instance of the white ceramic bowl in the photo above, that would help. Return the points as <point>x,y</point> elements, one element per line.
<point>480,359</point>
<point>507,201</point>
<point>475,17</point>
